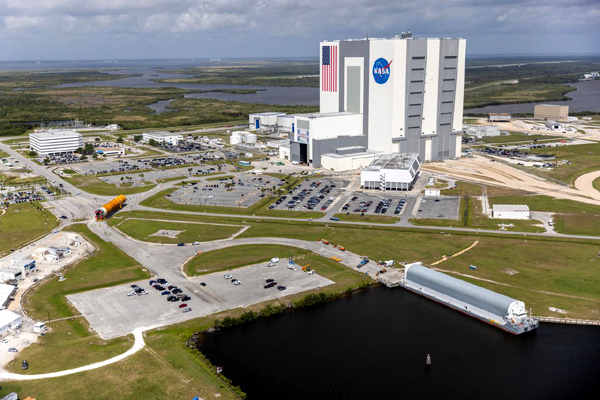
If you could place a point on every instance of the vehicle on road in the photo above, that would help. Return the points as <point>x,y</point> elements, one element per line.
<point>180,244</point>
<point>182,305</point>
<point>202,284</point>
<point>196,243</point>
<point>280,288</point>
<point>63,217</point>
<point>186,310</point>
<point>13,350</point>
<point>334,219</point>
<point>227,276</point>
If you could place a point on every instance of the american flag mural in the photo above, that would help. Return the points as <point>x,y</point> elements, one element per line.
<point>329,69</point>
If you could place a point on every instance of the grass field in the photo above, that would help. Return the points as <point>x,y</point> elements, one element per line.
<point>516,137</point>
<point>94,185</point>
<point>584,158</point>
<point>23,223</point>
<point>109,266</point>
<point>547,203</point>
<point>379,219</point>
<point>192,232</point>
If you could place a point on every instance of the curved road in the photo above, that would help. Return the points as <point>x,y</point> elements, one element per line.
<point>585,184</point>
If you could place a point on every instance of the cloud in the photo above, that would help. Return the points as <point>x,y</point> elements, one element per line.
<point>232,28</point>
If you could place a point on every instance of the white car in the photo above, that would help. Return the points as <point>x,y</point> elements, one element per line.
<point>131,294</point>
<point>13,350</point>
<point>236,282</point>
<point>311,272</point>
<point>4,340</point>
<point>271,264</point>
<point>142,293</point>
<point>292,267</point>
<point>227,276</point>
<point>275,259</point>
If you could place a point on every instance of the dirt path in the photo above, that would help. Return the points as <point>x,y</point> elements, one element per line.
<point>585,184</point>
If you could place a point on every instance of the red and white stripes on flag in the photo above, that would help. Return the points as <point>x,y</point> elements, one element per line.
<point>329,69</point>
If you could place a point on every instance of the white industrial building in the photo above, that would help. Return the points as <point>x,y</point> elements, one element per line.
<point>55,142</point>
<point>553,125</point>
<point>394,171</point>
<point>432,193</point>
<point>9,320</point>
<point>6,293</point>
<point>499,117</point>
<point>510,211</point>
<point>482,131</point>
<point>162,137</point>
<point>265,120</point>
<point>399,95</point>
<point>111,151</point>
<point>239,137</point>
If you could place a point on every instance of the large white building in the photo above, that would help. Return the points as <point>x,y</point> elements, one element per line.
<point>391,172</point>
<point>162,137</point>
<point>510,211</point>
<point>9,320</point>
<point>55,142</point>
<point>399,95</point>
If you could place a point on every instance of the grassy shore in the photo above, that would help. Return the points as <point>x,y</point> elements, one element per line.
<point>23,223</point>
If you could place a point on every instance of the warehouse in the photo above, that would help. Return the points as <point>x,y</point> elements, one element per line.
<point>551,112</point>
<point>499,117</point>
<point>508,313</point>
<point>483,131</point>
<point>510,211</point>
<point>163,137</point>
<point>265,121</point>
<point>396,171</point>
<point>9,320</point>
<point>348,158</point>
<point>6,294</point>
<point>55,142</point>
<point>111,151</point>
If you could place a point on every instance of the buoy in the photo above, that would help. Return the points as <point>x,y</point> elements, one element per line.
<point>428,362</point>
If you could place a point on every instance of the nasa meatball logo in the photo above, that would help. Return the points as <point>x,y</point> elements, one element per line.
<point>381,70</point>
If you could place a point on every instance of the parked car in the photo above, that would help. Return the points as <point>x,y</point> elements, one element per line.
<point>180,244</point>
<point>236,282</point>
<point>131,294</point>
<point>196,243</point>
<point>13,350</point>
<point>227,276</point>
<point>269,280</point>
<point>182,305</point>
<point>4,340</point>
<point>280,288</point>
<point>186,310</point>
<point>202,284</point>
<point>152,283</point>
<point>166,292</point>
<point>186,298</point>
<point>25,364</point>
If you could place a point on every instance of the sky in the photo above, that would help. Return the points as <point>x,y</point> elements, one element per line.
<point>132,29</point>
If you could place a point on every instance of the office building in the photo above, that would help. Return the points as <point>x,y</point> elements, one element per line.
<point>163,137</point>
<point>55,142</point>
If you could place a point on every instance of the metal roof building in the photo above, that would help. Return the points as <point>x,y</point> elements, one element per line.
<point>396,171</point>
<point>463,294</point>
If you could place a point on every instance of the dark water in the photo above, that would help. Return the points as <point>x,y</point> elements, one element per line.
<point>373,345</point>
<point>161,106</point>
<point>585,98</point>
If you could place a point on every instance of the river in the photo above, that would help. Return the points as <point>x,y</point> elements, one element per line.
<point>373,345</point>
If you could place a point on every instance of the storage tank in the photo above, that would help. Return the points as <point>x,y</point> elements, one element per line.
<point>110,207</point>
<point>236,138</point>
<point>251,138</point>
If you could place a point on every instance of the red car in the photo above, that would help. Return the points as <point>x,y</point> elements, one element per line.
<point>182,305</point>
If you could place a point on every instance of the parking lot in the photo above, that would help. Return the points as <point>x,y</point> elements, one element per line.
<point>313,194</point>
<point>371,204</point>
<point>106,167</point>
<point>439,208</point>
<point>242,191</point>
<point>112,313</point>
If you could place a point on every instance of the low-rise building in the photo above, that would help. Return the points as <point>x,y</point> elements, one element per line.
<point>9,320</point>
<point>510,211</point>
<point>6,294</point>
<point>111,151</point>
<point>432,193</point>
<point>55,142</point>
<point>162,137</point>
<point>396,171</point>
<point>482,131</point>
<point>265,120</point>
<point>498,117</point>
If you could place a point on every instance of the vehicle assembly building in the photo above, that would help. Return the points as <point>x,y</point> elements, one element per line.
<point>491,307</point>
<point>110,207</point>
<point>399,95</point>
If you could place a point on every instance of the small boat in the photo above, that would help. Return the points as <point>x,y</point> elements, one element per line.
<point>428,361</point>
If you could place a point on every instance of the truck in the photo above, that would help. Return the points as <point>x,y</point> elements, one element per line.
<point>389,263</point>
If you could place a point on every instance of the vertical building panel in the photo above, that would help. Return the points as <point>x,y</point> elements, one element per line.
<point>432,78</point>
<point>460,86</point>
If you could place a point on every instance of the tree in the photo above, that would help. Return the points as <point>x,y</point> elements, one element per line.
<point>120,140</point>
<point>153,142</point>
<point>88,149</point>
<point>97,139</point>
<point>32,153</point>
<point>83,158</point>
<point>137,138</point>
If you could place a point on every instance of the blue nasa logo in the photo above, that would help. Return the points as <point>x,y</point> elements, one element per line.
<point>381,70</point>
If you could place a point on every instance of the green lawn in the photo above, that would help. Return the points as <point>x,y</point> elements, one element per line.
<point>69,344</point>
<point>596,184</point>
<point>23,223</point>
<point>93,185</point>
<point>109,266</point>
<point>584,158</point>
<point>4,154</point>
<point>192,232</point>
<point>547,203</point>
<point>516,137</point>
<point>463,189</point>
<point>379,219</point>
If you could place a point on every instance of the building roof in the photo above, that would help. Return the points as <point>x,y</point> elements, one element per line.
<point>393,161</point>
<point>496,303</point>
<point>162,134</point>
<point>5,292</point>
<point>7,317</point>
<point>499,114</point>
<point>268,113</point>
<point>10,270</point>
<point>54,134</point>
<point>510,207</point>
<point>326,115</point>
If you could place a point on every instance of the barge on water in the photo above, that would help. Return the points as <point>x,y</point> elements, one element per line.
<point>493,308</point>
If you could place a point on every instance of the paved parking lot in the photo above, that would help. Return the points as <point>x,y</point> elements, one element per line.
<point>110,166</point>
<point>245,192</point>
<point>369,204</point>
<point>140,178</point>
<point>439,208</point>
<point>112,313</point>
<point>312,194</point>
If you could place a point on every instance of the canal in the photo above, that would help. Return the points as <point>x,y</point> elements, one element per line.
<point>374,344</point>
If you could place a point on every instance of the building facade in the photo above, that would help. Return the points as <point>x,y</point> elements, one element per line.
<point>163,137</point>
<point>551,112</point>
<point>510,211</point>
<point>407,94</point>
<point>395,171</point>
<point>55,142</point>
